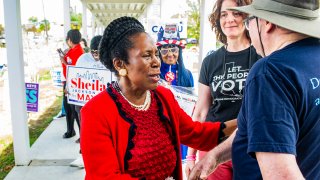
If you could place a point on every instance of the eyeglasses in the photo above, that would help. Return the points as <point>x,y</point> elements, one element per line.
<point>94,52</point>
<point>247,21</point>
<point>165,51</point>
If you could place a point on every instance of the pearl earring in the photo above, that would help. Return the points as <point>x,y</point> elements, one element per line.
<point>123,72</point>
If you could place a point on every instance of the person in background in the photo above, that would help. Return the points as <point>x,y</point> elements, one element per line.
<point>134,128</point>
<point>172,67</point>
<point>62,112</point>
<point>84,45</point>
<point>70,59</point>
<point>279,123</point>
<point>88,60</point>
<point>223,74</point>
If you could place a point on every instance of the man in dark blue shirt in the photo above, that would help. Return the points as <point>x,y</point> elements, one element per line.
<point>279,121</point>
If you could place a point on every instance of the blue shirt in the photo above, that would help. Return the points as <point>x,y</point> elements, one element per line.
<point>281,110</point>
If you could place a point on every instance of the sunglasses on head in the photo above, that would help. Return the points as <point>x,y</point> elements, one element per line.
<point>165,51</point>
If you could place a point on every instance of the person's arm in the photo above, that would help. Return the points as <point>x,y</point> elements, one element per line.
<point>200,112</point>
<point>63,61</point>
<point>203,103</point>
<point>97,147</point>
<point>278,166</point>
<point>212,159</point>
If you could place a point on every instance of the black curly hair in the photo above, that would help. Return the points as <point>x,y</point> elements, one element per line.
<point>116,40</point>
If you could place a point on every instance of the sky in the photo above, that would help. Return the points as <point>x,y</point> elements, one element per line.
<point>54,9</point>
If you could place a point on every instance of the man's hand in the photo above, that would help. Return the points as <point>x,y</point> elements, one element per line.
<point>212,159</point>
<point>204,167</point>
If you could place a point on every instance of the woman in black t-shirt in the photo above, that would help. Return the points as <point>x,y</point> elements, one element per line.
<point>223,74</point>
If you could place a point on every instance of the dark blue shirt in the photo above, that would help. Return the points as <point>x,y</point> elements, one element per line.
<point>281,110</point>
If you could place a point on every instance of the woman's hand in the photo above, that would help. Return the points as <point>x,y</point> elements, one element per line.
<point>189,165</point>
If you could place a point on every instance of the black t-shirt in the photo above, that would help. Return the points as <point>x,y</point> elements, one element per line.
<point>225,72</point>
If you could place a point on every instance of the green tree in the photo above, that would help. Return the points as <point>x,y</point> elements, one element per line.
<point>33,19</point>
<point>194,19</point>
<point>44,26</point>
<point>76,20</point>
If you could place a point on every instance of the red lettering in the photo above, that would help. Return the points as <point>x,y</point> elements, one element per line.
<point>88,97</point>
<point>87,86</point>
<point>73,83</point>
<point>97,85</point>
<point>83,85</point>
<point>102,87</point>
<point>79,83</point>
<point>81,97</point>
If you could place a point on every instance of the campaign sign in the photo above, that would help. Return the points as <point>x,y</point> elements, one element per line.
<point>155,24</point>
<point>57,77</point>
<point>85,83</point>
<point>185,99</point>
<point>32,96</point>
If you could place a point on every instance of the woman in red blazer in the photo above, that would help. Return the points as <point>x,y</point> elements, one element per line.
<point>133,129</point>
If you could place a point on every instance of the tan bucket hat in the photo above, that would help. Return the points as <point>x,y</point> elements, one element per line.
<point>298,16</point>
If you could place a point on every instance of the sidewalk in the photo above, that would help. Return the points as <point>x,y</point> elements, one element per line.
<point>51,156</point>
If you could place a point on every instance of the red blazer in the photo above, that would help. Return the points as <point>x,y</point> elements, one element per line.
<point>104,135</point>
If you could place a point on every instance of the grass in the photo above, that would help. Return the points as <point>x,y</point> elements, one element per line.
<point>36,127</point>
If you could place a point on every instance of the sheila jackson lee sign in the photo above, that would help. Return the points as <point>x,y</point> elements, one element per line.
<point>85,83</point>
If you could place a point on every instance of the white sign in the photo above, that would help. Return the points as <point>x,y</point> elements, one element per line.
<point>186,101</point>
<point>84,83</point>
<point>154,26</point>
<point>57,77</point>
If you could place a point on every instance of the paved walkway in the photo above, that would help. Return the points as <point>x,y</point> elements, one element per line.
<point>51,156</point>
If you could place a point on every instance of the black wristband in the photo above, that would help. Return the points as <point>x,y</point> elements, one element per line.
<point>221,136</point>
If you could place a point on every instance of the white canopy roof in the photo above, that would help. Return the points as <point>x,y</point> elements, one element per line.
<point>105,11</point>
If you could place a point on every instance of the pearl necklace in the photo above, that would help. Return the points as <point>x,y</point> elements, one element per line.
<point>145,106</point>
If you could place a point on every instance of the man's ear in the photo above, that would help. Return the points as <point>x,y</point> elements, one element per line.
<point>269,27</point>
